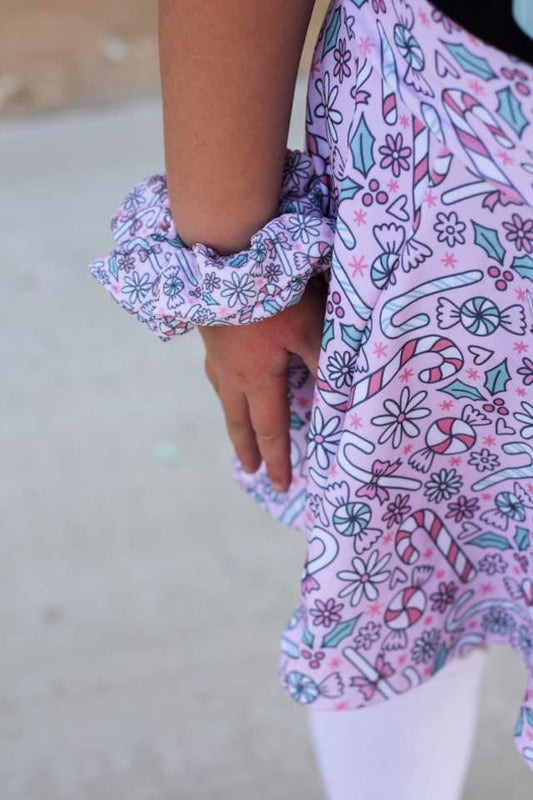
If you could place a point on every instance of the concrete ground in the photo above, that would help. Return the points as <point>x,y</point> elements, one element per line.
<point>142,594</point>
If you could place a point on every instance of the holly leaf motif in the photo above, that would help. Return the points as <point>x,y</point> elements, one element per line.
<point>361,145</point>
<point>332,32</point>
<point>351,336</point>
<point>497,378</point>
<point>470,62</point>
<point>491,540</point>
<point>440,659</point>
<point>307,638</point>
<point>489,241</point>
<point>524,267</point>
<point>327,334</point>
<point>459,389</point>
<point>521,538</point>
<point>340,632</point>
<point>349,188</point>
<point>510,109</point>
<point>296,422</point>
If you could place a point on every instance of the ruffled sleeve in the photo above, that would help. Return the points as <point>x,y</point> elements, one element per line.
<point>171,288</point>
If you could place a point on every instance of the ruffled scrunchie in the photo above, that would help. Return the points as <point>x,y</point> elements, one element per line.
<point>172,288</point>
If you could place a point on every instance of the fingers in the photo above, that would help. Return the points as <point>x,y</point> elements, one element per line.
<point>239,426</point>
<point>270,417</point>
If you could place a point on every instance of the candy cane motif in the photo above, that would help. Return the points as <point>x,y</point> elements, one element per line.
<point>415,252</point>
<point>451,362</point>
<point>389,82</point>
<point>427,520</point>
<point>509,473</point>
<point>458,105</point>
<point>420,168</point>
<point>402,301</point>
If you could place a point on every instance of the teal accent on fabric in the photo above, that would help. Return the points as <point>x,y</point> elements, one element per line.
<point>523,14</point>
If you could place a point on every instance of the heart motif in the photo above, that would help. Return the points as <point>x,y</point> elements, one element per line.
<point>503,429</point>
<point>480,354</point>
<point>445,67</point>
<point>468,529</point>
<point>398,576</point>
<point>398,210</point>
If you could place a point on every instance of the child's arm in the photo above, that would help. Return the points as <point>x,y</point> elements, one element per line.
<point>228,71</point>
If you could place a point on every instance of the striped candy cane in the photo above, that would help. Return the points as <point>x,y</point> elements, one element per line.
<point>389,84</point>
<point>428,521</point>
<point>459,104</point>
<point>420,168</point>
<point>451,362</point>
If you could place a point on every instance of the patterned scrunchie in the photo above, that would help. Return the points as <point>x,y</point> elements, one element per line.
<point>171,288</point>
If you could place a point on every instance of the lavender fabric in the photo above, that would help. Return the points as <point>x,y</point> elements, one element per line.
<point>412,451</point>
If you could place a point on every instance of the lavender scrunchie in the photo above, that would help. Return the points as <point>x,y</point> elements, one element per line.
<point>171,288</point>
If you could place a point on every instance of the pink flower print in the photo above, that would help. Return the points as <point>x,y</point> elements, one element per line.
<point>520,232</point>
<point>462,508</point>
<point>326,613</point>
<point>444,597</point>
<point>395,155</point>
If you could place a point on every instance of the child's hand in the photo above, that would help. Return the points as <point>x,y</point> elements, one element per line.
<point>247,366</point>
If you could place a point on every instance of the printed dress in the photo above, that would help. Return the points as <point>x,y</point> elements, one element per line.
<point>412,451</point>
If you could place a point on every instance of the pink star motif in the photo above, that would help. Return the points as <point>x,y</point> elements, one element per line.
<point>428,553</point>
<point>521,392</point>
<point>387,538</point>
<point>424,19</point>
<point>520,294</point>
<point>402,659</point>
<point>472,624</point>
<point>406,374</point>
<point>356,421</point>
<point>428,620</point>
<point>393,185</point>
<point>407,449</point>
<point>360,217</point>
<point>358,265</point>
<point>477,87</point>
<point>455,461</point>
<point>504,157</point>
<point>446,405</point>
<point>301,402</point>
<point>530,487</point>
<point>472,373</point>
<point>486,496</point>
<point>375,608</point>
<point>489,440</point>
<point>380,349</point>
<point>429,199</point>
<point>404,121</point>
<point>335,662</point>
<point>365,45</point>
<point>333,470</point>
<point>440,573</point>
<point>520,347</point>
<point>516,570</point>
<point>486,588</point>
<point>342,705</point>
<point>449,260</point>
<point>427,672</point>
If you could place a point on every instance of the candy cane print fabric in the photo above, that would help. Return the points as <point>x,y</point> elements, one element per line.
<point>413,450</point>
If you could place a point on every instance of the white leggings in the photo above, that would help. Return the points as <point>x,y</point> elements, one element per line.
<point>416,746</point>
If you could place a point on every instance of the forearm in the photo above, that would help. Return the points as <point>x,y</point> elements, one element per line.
<point>228,71</point>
